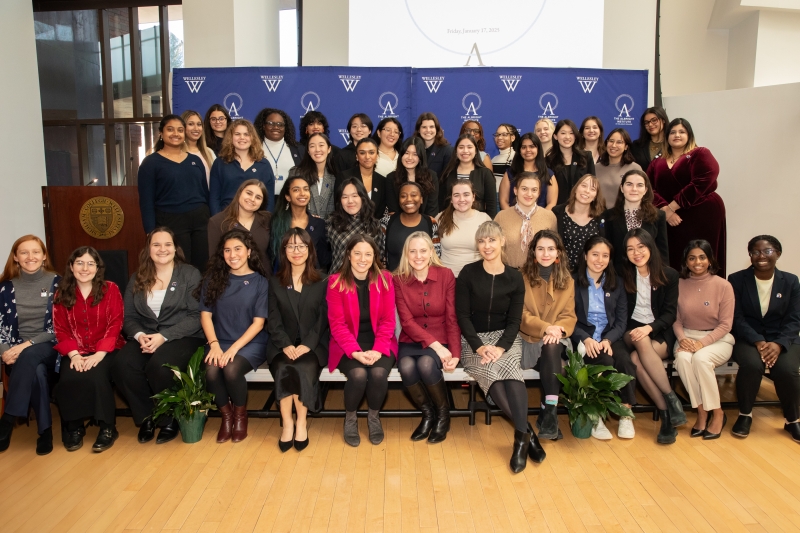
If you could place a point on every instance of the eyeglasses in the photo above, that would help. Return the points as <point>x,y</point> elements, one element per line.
<point>768,252</point>
<point>276,125</point>
<point>496,135</point>
<point>218,119</point>
<point>296,247</point>
<point>390,132</point>
<point>81,264</point>
<point>652,121</point>
<point>474,131</point>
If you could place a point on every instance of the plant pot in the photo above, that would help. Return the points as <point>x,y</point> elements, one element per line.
<point>192,428</point>
<point>582,428</point>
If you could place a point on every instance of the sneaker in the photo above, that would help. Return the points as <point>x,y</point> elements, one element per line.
<point>625,429</point>
<point>601,432</point>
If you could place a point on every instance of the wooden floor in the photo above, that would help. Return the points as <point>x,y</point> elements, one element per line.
<point>463,484</point>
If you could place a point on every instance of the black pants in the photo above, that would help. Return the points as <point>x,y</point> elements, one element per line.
<point>785,374</point>
<point>140,375</point>
<point>622,363</point>
<point>28,385</point>
<point>191,233</point>
<point>87,394</point>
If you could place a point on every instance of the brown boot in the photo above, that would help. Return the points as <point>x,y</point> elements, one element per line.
<point>239,423</point>
<point>224,434</point>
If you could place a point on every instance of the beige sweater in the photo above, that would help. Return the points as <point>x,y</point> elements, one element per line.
<point>458,248</point>
<point>511,222</point>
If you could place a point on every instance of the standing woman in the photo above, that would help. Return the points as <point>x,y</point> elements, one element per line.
<point>292,212</point>
<point>504,138</point>
<point>438,151</point>
<point>389,136</point>
<point>374,182</point>
<point>634,209</point>
<point>544,129</point>
<point>317,169</point>
<point>299,336</point>
<point>315,122</point>
<point>548,319</point>
<point>234,308</point>
<point>766,322</point>
<point>240,159</point>
<point>244,213</point>
<point>521,222</point>
<point>457,226</point>
<point>27,337</point>
<point>529,158</point>
<point>430,340</point>
<point>162,321</point>
<point>276,131</point>
<point>592,137</point>
<point>489,300</point>
<point>87,316</point>
<point>475,129</point>
<point>358,127</point>
<point>216,122</point>
<point>566,160</point>
<point>398,226</point>
<point>467,166</point>
<point>196,140</point>
<point>353,215</point>
<point>703,330</point>
<point>361,314</point>
<point>413,167</point>
<point>684,182</point>
<point>580,217</point>
<point>652,289</point>
<point>614,163</point>
<point>651,143</point>
<point>173,191</point>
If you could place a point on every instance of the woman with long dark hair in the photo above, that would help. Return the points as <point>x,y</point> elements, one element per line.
<point>233,312</point>
<point>291,212</point>
<point>580,217</point>
<point>196,139</point>
<point>275,130</point>
<point>215,123</point>
<point>529,158</point>
<point>358,127</point>
<point>389,136</point>
<point>352,215</point>
<point>652,141</point>
<point>457,226</point>
<point>592,137</point>
<point>374,183</point>
<point>413,167</point>
<point>317,169</point>
<point>244,213</point>
<point>162,323</point>
<point>438,151</point>
<point>615,161</point>
<point>567,160</point>
<point>474,128</point>
<point>467,166</point>
<point>87,317</point>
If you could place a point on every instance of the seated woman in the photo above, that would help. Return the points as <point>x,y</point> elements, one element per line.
<point>317,169</point>
<point>766,322</point>
<point>87,316</point>
<point>524,219</point>
<point>704,341</point>
<point>233,311</point>
<point>398,226</point>
<point>244,213</point>
<point>425,293</point>
<point>601,306</point>
<point>292,211</point>
<point>361,314</point>
<point>580,217</point>
<point>457,226</point>
<point>652,289</point>
<point>163,317</point>
<point>548,319</point>
<point>413,167</point>
<point>489,301</point>
<point>298,334</point>
<point>353,215</point>
<point>529,159</point>
<point>27,286</point>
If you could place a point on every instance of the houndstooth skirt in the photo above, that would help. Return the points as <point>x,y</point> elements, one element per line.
<point>507,367</point>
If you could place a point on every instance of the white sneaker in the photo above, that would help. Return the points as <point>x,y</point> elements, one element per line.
<point>625,429</point>
<point>601,432</point>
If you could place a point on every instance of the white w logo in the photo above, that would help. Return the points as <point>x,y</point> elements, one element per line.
<point>272,85</point>
<point>587,85</point>
<point>349,85</point>
<point>433,85</point>
<point>511,85</point>
<point>194,85</point>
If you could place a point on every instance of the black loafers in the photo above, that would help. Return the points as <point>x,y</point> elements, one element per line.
<point>147,431</point>
<point>73,440</point>
<point>105,439</point>
<point>168,432</point>
<point>741,428</point>
<point>794,430</point>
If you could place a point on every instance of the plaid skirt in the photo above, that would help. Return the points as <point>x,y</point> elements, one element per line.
<point>505,368</point>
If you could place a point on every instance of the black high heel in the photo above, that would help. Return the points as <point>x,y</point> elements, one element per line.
<point>699,432</point>
<point>707,435</point>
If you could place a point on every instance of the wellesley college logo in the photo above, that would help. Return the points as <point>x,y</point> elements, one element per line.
<point>345,135</point>
<point>388,102</point>
<point>471,103</point>
<point>350,82</point>
<point>233,103</point>
<point>433,83</point>
<point>272,82</point>
<point>194,83</point>
<point>309,101</point>
<point>510,82</point>
<point>548,102</point>
<point>587,83</point>
<point>624,105</point>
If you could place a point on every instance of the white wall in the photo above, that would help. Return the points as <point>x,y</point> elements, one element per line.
<point>629,37</point>
<point>321,46</point>
<point>23,168</point>
<point>742,43</point>
<point>778,49</point>
<point>757,179</point>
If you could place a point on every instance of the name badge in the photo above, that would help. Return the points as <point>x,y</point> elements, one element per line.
<point>280,177</point>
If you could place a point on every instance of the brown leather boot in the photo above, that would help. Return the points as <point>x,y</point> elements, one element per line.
<point>225,427</point>
<point>239,423</point>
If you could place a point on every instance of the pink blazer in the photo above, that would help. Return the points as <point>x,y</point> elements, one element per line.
<point>344,316</point>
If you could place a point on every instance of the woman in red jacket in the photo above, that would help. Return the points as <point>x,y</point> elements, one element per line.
<point>425,293</point>
<point>363,345</point>
<point>87,317</point>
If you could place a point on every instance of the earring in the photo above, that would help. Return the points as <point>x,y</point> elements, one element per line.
<point>558,260</point>
<point>286,208</point>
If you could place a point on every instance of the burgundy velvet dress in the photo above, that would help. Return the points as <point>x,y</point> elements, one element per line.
<point>691,182</point>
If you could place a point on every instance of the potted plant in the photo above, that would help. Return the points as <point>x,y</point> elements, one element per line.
<point>588,392</point>
<point>187,401</point>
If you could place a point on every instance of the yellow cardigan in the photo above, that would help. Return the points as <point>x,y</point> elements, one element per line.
<point>545,306</point>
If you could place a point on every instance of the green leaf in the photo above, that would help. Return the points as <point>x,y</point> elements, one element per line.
<point>583,378</point>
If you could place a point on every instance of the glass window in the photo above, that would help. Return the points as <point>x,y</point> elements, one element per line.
<point>150,50</point>
<point>95,154</point>
<point>61,155</point>
<point>175,36</point>
<point>120,51</point>
<point>287,27</point>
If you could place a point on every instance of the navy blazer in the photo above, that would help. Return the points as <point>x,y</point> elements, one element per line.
<point>664,303</point>
<point>617,228</point>
<point>616,303</point>
<point>781,324</point>
<point>225,179</point>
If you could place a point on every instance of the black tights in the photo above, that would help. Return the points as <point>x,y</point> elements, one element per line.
<point>549,366</point>
<point>416,369</point>
<point>373,379</point>
<point>229,382</point>
<point>511,397</point>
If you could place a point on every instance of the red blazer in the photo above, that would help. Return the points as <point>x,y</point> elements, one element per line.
<point>344,316</point>
<point>428,309</point>
<point>90,329</point>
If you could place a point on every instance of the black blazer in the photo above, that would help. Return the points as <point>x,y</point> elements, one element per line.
<point>616,303</point>
<point>344,159</point>
<point>180,313</point>
<point>379,188</point>
<point>616,229</point>
<point>297,151</point>
<point>664,303</point>
<point>483,184</point>
<point>568,176</point>
<point>311,326</point>
<point>640,150</point>
<point>781,324</point>
<point>438,157</point>
<point>430,204</point>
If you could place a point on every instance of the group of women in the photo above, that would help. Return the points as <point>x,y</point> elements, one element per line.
<point>579,252</point>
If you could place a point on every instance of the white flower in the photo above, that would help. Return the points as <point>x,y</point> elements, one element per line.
<point>196,402</point>
<point>178,374</point>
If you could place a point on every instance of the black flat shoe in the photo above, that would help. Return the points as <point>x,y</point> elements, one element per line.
<point>105,439</point>
<point>147,431</point>
<point>285,446</point>
<point>6,428</point>
<point>301,445</point>
<point>168,432</point>
<point>711,436</point>
<point>73,440</point>
<point>794,430</point>
<point>699,432</point>
<point>44,444</point>
<point>741,428</point>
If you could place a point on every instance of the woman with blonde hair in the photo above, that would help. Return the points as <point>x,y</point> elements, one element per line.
<point>196,139</point>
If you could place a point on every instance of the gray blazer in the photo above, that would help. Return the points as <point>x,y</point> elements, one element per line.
<point>180,313</point>
<point>321,203</point>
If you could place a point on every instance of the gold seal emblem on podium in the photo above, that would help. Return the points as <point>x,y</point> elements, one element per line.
<point>101,217</point>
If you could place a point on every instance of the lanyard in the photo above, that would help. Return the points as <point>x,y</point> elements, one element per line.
<point>275,159</point>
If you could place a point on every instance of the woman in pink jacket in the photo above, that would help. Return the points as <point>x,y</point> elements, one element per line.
<point>363,346</point>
